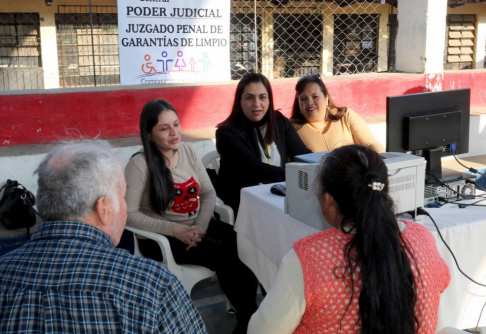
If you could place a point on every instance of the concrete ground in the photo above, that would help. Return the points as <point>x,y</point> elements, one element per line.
<point>211,304</point>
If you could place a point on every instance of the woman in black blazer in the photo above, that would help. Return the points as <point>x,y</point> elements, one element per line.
<point>254,142</point>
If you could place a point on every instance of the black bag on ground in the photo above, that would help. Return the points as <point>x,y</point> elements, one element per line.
<point>17,207</point>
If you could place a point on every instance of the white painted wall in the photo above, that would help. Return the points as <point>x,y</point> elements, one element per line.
<point>22,167</point>
<point>421,36</point>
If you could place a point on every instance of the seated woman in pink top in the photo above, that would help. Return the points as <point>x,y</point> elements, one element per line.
<point>321,125</point>
<point>361,275</point>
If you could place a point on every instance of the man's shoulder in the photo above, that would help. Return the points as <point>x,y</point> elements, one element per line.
<point>76,265</point>
<point>154,276</point>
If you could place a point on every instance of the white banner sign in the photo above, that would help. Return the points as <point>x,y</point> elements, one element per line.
<point>173,41</point>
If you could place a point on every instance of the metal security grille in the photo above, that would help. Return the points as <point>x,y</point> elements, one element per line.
<point>298,44</point>
<point>244,42</point>
<point>297,38</point>
<point>460,37</point>
<point>355,40</point>
<point>59,43</point>
<point>87,45</point>
<point>20,54</point>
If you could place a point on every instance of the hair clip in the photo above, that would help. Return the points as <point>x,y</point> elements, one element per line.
<point>378,186</point>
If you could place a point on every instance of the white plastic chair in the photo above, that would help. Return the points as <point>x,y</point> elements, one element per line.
<point>188,274</point>
<point>212,158</point>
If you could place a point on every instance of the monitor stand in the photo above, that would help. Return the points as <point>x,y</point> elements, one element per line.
<point>434,167</point>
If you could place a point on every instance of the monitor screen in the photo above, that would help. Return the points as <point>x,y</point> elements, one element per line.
<point>426,124</point>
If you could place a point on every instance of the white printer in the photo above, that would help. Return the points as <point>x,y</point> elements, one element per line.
<point>406,178</point>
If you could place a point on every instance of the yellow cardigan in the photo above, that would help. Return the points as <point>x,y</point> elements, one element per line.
<point>350,129</point>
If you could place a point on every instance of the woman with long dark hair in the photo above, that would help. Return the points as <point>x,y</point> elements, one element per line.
<point>321,124</point>
<point>254,142</point>
<point>169,192</point>
<point>361,275</point>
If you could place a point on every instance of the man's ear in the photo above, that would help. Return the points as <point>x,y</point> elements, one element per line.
<point>104,210</point>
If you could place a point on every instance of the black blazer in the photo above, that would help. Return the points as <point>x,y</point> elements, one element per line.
<point>241,164</point>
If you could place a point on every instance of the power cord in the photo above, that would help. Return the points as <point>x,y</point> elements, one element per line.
<point>452,149</point>
<point>477,186</point>
<point>444,184</point>
<point>441,182</point>
<point>480,314</point>
<point>423,212</point>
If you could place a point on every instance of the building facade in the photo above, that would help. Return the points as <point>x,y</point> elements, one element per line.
<point>63,43</point>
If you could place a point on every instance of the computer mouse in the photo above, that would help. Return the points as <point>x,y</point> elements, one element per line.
<point>278,189</point>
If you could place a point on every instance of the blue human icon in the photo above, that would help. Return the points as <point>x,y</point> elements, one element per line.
<point>206,62</point>
<point>165,62</point>
<point>180,63</point>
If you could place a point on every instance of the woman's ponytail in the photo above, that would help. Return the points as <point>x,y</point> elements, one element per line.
<point>356,177</point>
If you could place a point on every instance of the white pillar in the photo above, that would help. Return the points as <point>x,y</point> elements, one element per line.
<point>267,43</point>
<point>327,39</point>
<point>49,48</point>
<point>421,36</point>
<point>480,41</point>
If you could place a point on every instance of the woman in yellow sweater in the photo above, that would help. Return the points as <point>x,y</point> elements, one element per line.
<point>321,125</point>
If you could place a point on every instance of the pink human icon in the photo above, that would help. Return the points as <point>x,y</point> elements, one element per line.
<point>180,63</point>
<point>192,62</point>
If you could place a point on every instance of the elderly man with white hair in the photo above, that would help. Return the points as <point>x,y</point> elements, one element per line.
<point>70,278</point>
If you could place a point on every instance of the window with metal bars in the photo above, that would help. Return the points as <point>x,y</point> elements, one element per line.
<point>298,44</point>
<point>243,45</point>
<point>355,43</point>
<point>20,40</point>
<point>460,37</point>
<point>87,57</point>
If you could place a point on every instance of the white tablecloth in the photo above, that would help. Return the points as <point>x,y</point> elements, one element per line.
<point>265,234</point>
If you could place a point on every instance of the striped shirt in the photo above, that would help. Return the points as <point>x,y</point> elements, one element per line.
<point>71,279</point>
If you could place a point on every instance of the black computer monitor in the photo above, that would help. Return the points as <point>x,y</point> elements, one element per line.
<point>426,124</point>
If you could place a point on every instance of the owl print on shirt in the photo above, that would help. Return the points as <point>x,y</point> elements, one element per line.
<point>186,200</point>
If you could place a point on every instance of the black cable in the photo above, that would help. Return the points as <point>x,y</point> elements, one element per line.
<point>444,184</point>
<point>464,205</point>
<point>480,314</point>
<point>479,187</point>
<point>441,182</point>
<point>472,170</point>
<point>423,212</point>
<point>468,204</point>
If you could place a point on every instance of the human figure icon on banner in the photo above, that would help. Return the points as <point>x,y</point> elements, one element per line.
<point>148,68</point>
<point>192,62</point>
<point>206,62</point>
<point>180,63</point>
<point>165,62</point>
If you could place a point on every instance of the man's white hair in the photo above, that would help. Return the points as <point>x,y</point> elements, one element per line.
<point>74,176</point>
